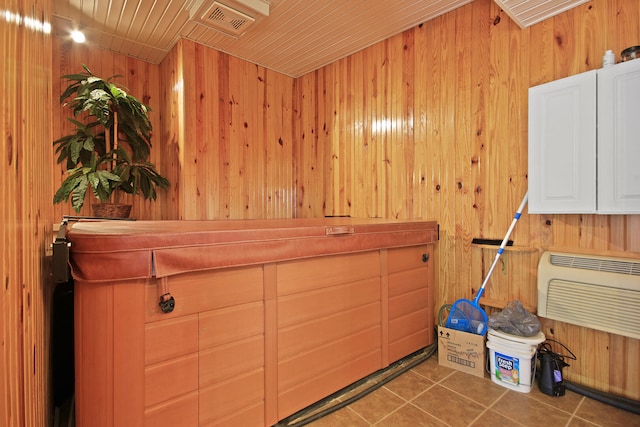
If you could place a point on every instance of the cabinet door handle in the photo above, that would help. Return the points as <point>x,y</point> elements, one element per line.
<point>339,230</point>
<point>425,257</point>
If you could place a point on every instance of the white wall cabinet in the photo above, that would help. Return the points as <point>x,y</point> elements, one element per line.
<point>619,138</point>
<point>584,143</point>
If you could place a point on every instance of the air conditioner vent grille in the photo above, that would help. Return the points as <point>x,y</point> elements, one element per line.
<point>597,264</point>
<point>218,15</point>
<point>225,19</point>
<point>599,307</point>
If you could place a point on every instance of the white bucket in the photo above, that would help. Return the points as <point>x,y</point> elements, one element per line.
<point>513,359</point>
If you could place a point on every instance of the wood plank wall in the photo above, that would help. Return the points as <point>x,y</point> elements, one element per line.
<point>26,215</point>
<point>432,124</point>
<point>230,136</point>
<point>428,124</point>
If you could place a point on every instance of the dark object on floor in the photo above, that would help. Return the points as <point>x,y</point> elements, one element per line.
<point>551,364</point>
<point>620,402</point>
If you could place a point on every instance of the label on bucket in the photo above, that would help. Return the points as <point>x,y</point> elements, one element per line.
<point>507,368</point>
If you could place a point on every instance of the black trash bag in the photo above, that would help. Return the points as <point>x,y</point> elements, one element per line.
<point>514,319</point>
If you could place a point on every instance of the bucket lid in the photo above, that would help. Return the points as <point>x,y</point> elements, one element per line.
<point>534,340</point>
<point>503,347</point>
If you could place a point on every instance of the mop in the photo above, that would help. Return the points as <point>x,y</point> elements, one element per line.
<point>468,316</point>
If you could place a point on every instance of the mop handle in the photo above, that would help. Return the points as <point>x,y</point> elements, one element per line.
<point>516,217</point>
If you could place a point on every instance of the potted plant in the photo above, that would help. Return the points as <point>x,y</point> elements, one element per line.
<point>108,150</point>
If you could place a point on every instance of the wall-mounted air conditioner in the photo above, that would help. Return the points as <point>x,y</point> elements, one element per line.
<point>597,292</point>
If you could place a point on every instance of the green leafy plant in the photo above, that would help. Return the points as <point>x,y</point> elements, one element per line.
<point>110,146</point>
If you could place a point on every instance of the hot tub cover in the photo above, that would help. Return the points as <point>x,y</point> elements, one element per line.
<point>123,250</point>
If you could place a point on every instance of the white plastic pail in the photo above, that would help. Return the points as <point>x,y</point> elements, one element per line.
<point>513,359</point>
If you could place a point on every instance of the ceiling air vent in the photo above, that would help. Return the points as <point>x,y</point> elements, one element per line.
<point>225,19</point>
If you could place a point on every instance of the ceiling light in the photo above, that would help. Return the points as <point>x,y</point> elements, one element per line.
<point>78,36</point>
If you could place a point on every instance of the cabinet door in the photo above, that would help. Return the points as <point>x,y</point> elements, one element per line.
<point>410,293</point>
<point>619,138</point>
<point>562,145</point>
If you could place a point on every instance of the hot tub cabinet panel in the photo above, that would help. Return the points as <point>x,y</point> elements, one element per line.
<point>270,315</point>
<point>329,326</point>
<point>410,299</point>
<point>109,353</point>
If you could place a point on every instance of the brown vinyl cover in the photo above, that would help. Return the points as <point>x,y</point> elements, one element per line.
<point>122,250</point>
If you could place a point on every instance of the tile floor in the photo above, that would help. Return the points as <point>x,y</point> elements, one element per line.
<point>433,395</point>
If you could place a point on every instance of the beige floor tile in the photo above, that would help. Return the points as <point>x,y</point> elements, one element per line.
<point>432,370</point>
<point>448,406</point>
<point>344,417</point>
<point>377,405</point>
<point>490,418</point>
<point>433,395</point>
<point>409,385</point>
<point>410,416</point>
<point>569,402</point>
<point>478,389</point>
<point>606,415</point>
<point>579,422</point>
<point>526,410</point>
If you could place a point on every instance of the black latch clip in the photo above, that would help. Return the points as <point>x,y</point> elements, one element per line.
<point>167,302</point>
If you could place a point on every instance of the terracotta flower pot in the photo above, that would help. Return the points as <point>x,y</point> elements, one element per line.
<point>111,210</point>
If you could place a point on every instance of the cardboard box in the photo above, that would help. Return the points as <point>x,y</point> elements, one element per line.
<point>462,351</point>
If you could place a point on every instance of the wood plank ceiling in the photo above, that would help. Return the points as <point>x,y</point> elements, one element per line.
<point>292,37</point>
